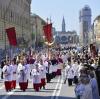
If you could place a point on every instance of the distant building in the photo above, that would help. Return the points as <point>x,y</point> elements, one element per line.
<point>96,31</point>
<point>63,25</point>
<point>67,39</point>
<point>37,29</point>
<point>85,24</point>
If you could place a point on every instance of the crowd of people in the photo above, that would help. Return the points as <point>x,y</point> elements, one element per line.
<point>35,67</point>
<point>79,69</point>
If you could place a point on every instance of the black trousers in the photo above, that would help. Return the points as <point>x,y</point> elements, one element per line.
<point>1,75</point>
<point>70,80</point>
<point>98,78</point>
<point>75,80</point>
<point>54,74</point>
<point>48,77</point>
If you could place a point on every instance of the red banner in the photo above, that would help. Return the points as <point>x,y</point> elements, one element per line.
<point>93,50</point>
<point>48,32</point>
<point>11,33</point>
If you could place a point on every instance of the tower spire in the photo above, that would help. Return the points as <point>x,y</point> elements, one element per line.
<point>63,25</point>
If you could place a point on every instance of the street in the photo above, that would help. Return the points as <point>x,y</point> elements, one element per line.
<point>56,89</point>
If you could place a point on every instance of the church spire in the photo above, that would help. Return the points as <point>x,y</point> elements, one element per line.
<point>63,25</point>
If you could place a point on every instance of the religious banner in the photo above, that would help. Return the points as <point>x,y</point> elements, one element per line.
<point>91,47</point>
<point>48,32</point>
<point>93,50</point>
<point>11,33</point>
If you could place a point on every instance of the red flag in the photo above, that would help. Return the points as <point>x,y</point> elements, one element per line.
<point>48,32</point>
<point>91,47</point>
<point>11,33</point>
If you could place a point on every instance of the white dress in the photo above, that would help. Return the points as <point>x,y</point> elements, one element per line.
<point>22,73</point>
<point>7,70</point>
<point>36,76</point>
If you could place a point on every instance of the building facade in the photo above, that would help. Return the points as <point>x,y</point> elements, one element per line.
<point>15,13</point>
<point>67,39</point>
<point>96,31</point>
<point>85,24</point>
<point>37,28</point>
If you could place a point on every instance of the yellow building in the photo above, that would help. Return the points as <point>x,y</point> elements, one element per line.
<point>97,30</point>
<point>15,13</point>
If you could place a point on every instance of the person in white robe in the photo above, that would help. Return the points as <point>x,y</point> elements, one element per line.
<point>22,77</point>
<point>28,76</point>
<point>7,71</point>
<point>36,78</point>
<point>69,72</point>
<point>48,67</point>
<point>76,69</point>
<point>14,74</point>
<point>42,70</point>
<point>60,65</point>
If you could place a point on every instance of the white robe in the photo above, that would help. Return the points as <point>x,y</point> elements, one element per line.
<point>36,76</point>
<point>28,71</point>
<point>69,72</point>
<point>46,66</point>
<point>42,70</point>
<point>7,71</point>
<point>22,73</point>
<point>76,69</point>
<point>14,70</point>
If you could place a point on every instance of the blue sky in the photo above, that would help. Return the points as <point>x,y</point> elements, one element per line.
<point>56,9</point>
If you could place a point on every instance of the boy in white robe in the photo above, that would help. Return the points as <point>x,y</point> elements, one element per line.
<point>42,70</point>
<point>8,77</point>
<point>22,71</point>
<point>69,72</point>
<point>14,74</point>
<point>36,78</point>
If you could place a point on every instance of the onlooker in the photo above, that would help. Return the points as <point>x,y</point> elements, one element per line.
<point>94,86</point>
<point>79,88</point>
<point>87,94</point>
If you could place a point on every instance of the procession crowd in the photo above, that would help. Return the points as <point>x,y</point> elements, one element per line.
<point>79,70</point>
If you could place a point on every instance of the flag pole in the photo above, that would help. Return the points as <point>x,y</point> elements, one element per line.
<point>48,44</point>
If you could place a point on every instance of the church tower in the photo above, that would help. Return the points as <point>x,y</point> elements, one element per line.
<point>63,25</point>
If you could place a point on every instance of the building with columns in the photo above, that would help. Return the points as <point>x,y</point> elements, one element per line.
<point>85,25</point>
<point>66,39</point>
<point>15,13</point>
